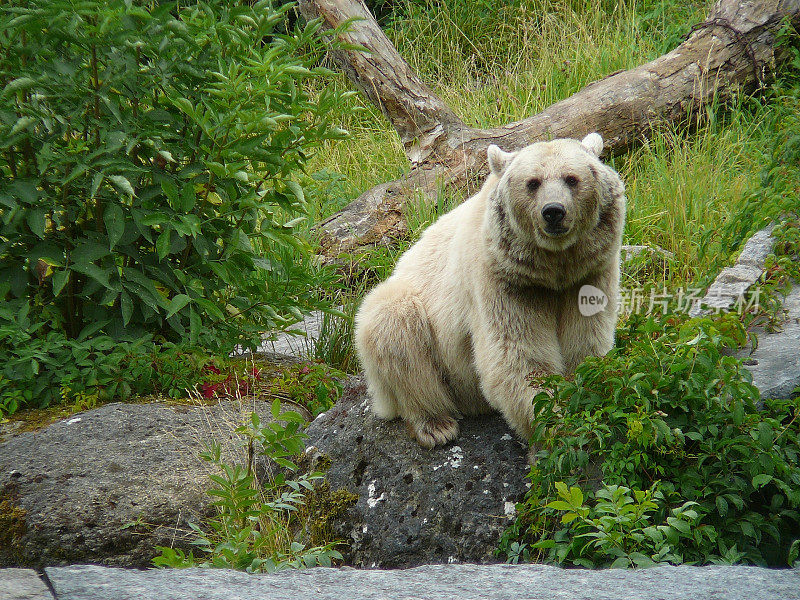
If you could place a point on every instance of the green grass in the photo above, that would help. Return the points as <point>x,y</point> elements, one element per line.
<point>682,186</point>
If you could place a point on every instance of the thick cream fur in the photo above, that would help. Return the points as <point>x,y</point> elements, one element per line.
<point>487,297</point>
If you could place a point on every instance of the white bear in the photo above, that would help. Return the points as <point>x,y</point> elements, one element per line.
<point>490,293</point>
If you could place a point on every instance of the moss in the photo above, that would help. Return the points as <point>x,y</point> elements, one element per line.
<point>35,419</point>
<point>13,526</point>
<point>321,508</point>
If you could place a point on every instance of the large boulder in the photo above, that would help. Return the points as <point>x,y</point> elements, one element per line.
<point>109,484</point>
<point>417,506</point>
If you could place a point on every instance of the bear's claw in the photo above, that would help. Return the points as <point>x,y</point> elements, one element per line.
<point>435,431</point>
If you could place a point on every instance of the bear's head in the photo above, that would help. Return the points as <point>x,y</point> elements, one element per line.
<point>553,193</point>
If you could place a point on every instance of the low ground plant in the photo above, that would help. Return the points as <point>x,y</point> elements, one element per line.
<point>253,529</point>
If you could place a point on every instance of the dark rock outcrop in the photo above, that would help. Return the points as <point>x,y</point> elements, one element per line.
<point>417,506</point>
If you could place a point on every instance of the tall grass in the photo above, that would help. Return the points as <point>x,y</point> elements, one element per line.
<point>682,186</point>
<point>497,62</point>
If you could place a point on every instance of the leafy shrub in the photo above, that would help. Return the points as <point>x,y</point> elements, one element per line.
<point>666,408</point>
<point>252,529</point>
<point>618,530</point>
<point>148,157</point>
<point>314,386</point>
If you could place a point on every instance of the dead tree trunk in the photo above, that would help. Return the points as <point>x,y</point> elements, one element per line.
<point>732,51</point>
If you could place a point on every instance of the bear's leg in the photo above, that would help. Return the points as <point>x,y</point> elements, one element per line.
<point>398,352</point>
<point>583,334</point>
<point>506,384</point>
<point>514,340</point>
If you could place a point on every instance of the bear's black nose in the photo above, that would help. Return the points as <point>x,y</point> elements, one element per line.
<point>554,213</point>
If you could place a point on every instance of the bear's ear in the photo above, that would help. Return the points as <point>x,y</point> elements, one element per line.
<point>593,143</point>
<point>498,160</point>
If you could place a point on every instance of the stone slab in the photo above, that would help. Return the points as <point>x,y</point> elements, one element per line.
<point>775,364</point>
<point>431,582</point>
<point>22,584</point>
<point>733,282</point>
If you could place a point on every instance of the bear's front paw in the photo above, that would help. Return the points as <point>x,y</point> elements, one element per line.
<point>435,430</point>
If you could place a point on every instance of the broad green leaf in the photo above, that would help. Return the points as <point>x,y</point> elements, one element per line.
<point>748,529</point>
<point>194,326</point>
<point>297,190</point>
<point>171,192</point>
<point>163,244</point>
<point>568,517</point>
<point>60,279</point>
<point>738,413</point>
<point>114,220</point>
<point>177,303</point>
<point>96,181</point>
<point>184,106</point>
<point>761,480</point>
<point>22,124</point>
<point>188,197</point>
<point>276,408</point>
<point>18,84</point>
<point>722,506</point>
<point>562,490</point>
<point>765,435</point>
<point>621,563</point>
<point>89,252</point>
<point>37,221</point>
<point>122,183</point>
<point>559,505</point>
<point>576,496</point>
<point>217,169</point>
<point>95,272</point>
<point>126,305</point>
<point>679,524</point>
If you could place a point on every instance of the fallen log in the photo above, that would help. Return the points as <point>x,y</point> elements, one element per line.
<point>731,52</point>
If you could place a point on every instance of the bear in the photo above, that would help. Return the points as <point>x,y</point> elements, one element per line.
<point>491,293</point>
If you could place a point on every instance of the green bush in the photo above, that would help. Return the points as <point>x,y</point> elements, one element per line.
<point>149,157</point>
<point>666,411</point>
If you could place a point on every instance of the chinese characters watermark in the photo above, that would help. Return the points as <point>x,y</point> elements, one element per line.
<point>653,301</point>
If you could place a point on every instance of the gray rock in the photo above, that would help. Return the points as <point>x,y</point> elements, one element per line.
<point>109,484</point>
<point>416,506</point>
<point>775,364</point>
<point>640,261</point>
<point>22,584</point>
<point>434,582</point>
<point>732,283</point>
<point>297,345</point>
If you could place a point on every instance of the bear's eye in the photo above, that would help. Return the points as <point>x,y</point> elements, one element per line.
<point>571,180</point>
<point>534,184</point>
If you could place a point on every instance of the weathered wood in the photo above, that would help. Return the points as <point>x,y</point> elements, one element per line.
<point>382,75</point>
<point>731,52</point>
